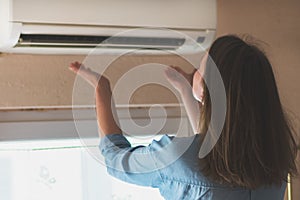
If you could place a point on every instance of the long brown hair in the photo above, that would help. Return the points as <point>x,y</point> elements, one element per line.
<point>256,146</point>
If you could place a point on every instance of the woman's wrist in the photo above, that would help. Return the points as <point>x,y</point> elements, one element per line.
<point>103,84</point>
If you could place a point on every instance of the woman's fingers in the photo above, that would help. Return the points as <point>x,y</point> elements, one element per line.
<point>179,70</point>
<point>171,74</point>
<point>86,73</point>
<point>177,73</point>
<point>76,67</point>
<point>95,79</point>
<point>179,78</point>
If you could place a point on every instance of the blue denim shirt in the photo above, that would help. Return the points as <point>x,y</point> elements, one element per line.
<point>172,165</point>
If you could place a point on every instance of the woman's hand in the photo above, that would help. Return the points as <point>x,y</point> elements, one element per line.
<point>182,81</point>
<point>107,117</point>
<point>96,80</point>
<point>178,78</point>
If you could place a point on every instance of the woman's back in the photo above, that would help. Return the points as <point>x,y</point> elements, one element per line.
<point>180,179</point>
<point>186,178</point>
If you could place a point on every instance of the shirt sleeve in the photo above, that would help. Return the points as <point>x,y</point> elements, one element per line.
<point>132,164</point>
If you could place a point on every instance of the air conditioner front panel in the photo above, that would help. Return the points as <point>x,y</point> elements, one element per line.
<point>192,14</point>
<point>164,21</point>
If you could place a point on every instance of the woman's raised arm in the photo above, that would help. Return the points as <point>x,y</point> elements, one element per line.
<point>182,82</point>
<point>108,121</point>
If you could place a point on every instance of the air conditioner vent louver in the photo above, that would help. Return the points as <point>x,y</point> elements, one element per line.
<point>80,39</point>
<point>42,40</point>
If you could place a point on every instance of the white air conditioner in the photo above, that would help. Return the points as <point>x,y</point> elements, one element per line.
<point>79,26</point>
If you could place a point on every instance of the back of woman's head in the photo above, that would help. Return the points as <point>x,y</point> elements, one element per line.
<point>256,146</point>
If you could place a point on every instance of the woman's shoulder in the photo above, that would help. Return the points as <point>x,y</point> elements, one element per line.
<point>177,145</point>
<point>180,155</point>
<point>168,138</point>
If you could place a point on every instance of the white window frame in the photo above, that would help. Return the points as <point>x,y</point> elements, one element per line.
<point>46,123</point>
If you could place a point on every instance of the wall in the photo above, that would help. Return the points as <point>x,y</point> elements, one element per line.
<point>44,80</point>
<point>30,80</point>
<point>277,23</point>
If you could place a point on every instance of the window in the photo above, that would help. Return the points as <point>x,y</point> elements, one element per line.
<point>60,169</point>
<point>40,158</point>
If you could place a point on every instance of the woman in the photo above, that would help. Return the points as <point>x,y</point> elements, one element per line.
<point>251,158</point>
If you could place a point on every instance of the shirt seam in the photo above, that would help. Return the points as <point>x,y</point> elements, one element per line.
<point>185,182</point>
<point>158,170</point>
<point>202,185</point>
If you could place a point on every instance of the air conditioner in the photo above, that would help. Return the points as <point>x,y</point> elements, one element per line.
<point>80,26</point>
